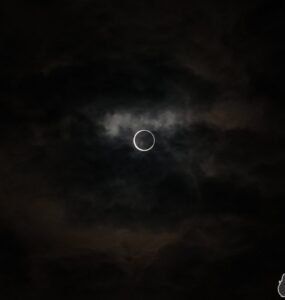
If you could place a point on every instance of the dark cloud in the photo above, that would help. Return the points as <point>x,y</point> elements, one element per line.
<point>83,214</point>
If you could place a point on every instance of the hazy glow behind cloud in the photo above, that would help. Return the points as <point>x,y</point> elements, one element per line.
<point>166,121</point>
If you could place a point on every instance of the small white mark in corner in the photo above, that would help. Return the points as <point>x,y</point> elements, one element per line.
<point>281,287</point>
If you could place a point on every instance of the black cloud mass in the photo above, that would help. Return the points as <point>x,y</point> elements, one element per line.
<point>83,214</point>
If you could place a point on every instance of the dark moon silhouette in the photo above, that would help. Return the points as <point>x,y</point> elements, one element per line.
<point>144,140</point>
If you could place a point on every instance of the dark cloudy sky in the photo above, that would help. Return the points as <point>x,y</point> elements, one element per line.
<point>83,214</point>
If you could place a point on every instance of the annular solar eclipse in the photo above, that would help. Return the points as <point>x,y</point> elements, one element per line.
<point>144,140</point>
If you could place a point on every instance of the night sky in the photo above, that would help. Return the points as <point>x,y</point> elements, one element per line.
<point>84,214</point>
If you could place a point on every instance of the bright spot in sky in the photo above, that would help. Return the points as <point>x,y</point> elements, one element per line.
<point>144,140</point>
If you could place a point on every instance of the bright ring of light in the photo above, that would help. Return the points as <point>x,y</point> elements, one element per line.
<point>141,149</point>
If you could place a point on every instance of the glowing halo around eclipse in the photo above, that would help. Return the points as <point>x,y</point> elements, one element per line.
<point>144,149</point>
